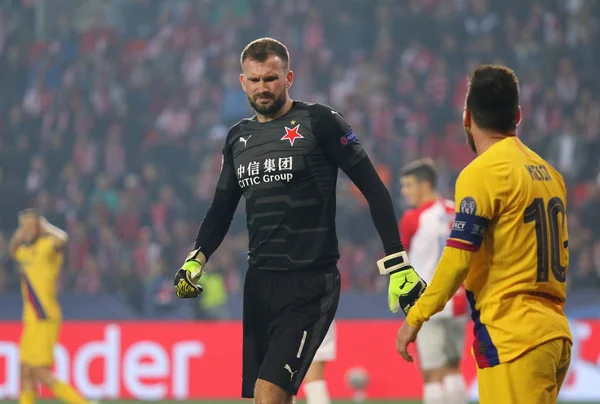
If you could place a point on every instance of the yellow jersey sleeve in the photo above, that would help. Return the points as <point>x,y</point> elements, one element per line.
<point>47,247</point>
<point>479,200</point>
<point>20,254</point>
<point>450,273</point>
<point>43,247</point>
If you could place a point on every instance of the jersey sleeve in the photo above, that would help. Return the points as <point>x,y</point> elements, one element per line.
<point>450,273</point>
<point>478,201</point>
<point>336,137</point>
<point>366,179</point>
<point>227,178</point>
<point>20,253</point>
<point>47,247</point>
<point>217,220</point>
<point>408,227</point>
<point>44,247</point>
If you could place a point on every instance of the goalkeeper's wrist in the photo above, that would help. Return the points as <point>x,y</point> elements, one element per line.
<point>196,255</point>
<point>392,263</point>
<point>402,271</point>
<point>194,268</point>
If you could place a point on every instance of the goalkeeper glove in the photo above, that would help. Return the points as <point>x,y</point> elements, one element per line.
<point>187,277</point>
<point>405,283</point>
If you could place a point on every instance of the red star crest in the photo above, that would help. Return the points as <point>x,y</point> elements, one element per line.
<point>292,134</point>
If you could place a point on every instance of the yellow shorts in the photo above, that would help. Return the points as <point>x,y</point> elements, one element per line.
<point>533,378</point>
<point>37,342</point>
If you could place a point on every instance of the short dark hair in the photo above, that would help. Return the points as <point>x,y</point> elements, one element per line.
<point>260,49</point>
<point>423,170</point>
<point>493,98</point>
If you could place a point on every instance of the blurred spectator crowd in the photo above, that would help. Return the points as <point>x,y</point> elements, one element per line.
<point>113,115</point>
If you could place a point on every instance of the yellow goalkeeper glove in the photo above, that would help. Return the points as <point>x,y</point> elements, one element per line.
<point>187,277</point>
<point>405,283</point>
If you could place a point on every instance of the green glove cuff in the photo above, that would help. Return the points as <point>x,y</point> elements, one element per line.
<point>194,268</point>
<point>404,272</point>
<point>405,280</point>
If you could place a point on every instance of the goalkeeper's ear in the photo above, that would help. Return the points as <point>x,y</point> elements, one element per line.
<point>466,118</point>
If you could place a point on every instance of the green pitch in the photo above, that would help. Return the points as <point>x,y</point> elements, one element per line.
<point>247,401</point>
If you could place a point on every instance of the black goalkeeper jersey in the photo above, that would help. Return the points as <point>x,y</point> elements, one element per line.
<point>286,169</point>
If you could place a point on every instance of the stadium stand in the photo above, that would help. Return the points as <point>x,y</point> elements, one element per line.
<point>114,114</point>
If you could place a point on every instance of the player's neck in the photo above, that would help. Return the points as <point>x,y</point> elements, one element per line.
<point>485,140</point>
<point>434,196</point>
<point>284,110</point>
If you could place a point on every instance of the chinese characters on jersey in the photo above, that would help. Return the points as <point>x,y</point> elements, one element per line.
<point>269,170</point>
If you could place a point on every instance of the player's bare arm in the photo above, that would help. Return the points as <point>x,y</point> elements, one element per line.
<point>59,236</point>
<point>28,230</point>
<point>16,240</point>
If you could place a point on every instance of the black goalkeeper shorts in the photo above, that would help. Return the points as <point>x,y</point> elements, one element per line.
<point>286,317</point>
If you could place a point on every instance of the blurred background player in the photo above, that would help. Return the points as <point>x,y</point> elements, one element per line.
<point>38,247</point>
<point>509,244</point>
<point>425,229</point>
<point>315,386</point>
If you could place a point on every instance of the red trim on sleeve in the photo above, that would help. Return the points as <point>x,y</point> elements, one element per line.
<point>409,223</point>
<point>461,245</point>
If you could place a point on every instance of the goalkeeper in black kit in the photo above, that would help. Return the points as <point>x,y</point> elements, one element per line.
<point>284,161</point>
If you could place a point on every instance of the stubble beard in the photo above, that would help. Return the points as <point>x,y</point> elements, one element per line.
<point>470,140</point>
<point>270,109</point>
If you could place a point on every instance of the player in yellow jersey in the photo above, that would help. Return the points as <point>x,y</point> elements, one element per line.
<point>37,246</point>
<point>509,246</point>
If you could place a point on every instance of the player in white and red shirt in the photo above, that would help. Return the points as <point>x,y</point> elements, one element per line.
<point>424,230</point>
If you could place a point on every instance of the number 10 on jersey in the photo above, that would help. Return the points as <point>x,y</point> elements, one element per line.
<point>548,232</point>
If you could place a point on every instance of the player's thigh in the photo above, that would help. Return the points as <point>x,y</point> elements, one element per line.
<point>531,378</point>
<point>327,350</point>
<point>564,363</point>
<point>430,346</point>
<point>38,339</point>
<point>255,319</point>
<point>305,304</point>
<point>26,372</point>
<point>455,340</point>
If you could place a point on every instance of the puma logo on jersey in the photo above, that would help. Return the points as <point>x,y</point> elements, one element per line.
<point>244,141</point>
<point>289,369</point>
